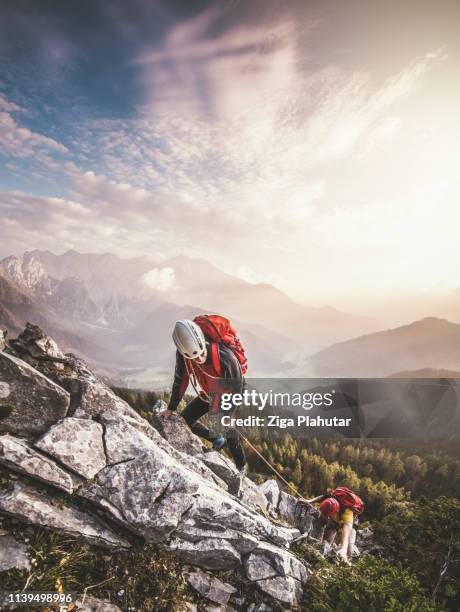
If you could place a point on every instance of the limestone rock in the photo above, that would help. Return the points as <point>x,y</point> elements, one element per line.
<point>87,603</point>
<point>29,402</point>
<point>366,543</point>
<point>156,496</point>
<point>34,342</point>
<point>87,392</point>
<point>13,554</point>
<point>77,443</point>
<point>221,466</point>
<point>125,439</point>
<point>210,587</point>
<point>145,482</point>
<point>305,518</point>
<point>249,493</point>
<point>26,504</point>
<point>19,456</point>
<point>277,572</point>
<point>149,492</point>
<point>211,554</point>
<point>287,507</point>
<point>191,531</point>
<point>272,492</point>
<point>176,431</point>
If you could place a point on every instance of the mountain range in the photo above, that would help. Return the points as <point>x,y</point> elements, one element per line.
<point>430,346</point>
<point>118,313</point>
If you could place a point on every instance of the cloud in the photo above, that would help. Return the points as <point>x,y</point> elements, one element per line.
<point>19,142</point>
<point>160,279</point>
<point>241,152</point>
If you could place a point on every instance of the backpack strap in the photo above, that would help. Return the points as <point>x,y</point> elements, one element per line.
<point>215,357</point>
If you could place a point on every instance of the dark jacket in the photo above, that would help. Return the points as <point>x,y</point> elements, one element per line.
<point>230,370</point>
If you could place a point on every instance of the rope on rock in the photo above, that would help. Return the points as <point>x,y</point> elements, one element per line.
<point>273,469</point>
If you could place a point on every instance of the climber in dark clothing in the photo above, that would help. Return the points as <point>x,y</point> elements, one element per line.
<point>212,369</point>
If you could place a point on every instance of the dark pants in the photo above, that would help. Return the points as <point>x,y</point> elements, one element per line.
<point>198,408</point>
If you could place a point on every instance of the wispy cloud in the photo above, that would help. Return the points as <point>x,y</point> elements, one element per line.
<point>242,152</point>
<point>18,141</point>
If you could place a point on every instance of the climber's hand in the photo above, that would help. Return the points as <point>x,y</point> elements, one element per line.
<point>166,414</point>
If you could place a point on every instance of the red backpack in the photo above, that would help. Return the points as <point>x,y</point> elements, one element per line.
<point>348,499</point>
<point>219,330</point>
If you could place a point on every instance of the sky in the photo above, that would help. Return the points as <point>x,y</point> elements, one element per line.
<point>314,145</point>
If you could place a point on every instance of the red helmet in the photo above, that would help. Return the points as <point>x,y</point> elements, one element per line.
<point>329,506</point>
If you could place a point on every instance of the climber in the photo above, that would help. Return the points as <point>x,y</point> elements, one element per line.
<point>340,511</point>
<point>208,362</point>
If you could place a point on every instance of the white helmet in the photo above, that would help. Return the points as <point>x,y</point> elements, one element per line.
<point>189,340</point>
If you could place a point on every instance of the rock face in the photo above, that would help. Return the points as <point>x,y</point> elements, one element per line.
<point>36,344</point>
<point>180,437</point>
<point>77,443</point>
<point>18,455</point>
<point>31,402</point>
<point>210,587</point>
<point>13,554</point>
<point>272,492</point>
<point>277,572</point>
<point>154,484</point>
<point>33,507</point>
<point>249,493</point>
<point>92,604</point>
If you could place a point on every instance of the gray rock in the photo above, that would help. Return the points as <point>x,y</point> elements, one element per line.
<point>272,492</point>
<point>251,496</point>
<point>189,530</point>
<point>277,572</point>
<point>77,443</point>
<point>31,403</point>
<point>366,533</point>
<point>2,340</point>
<point>88,393</point>
<point>13,554</point>
<point>150,492</point>
<point>210,554</point>
<point>31,507</point>
<point>34,342</point>
<point>222,467</point>
<point>123,441</point>
<point>287,507</point>
<point>156,496</point>
<point>305,518</point>
<point>249,493</point>
<point>176,431</point>
<point>365,543</point>
<point>19,456</point>
<point>152,487</point>
<point>127,439</point>
<point>86,603</point>
<point>210,587</point>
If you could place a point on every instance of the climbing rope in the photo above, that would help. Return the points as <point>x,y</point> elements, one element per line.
<point>274,470</point>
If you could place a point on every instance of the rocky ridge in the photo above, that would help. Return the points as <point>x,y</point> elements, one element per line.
<point>63,432</point>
